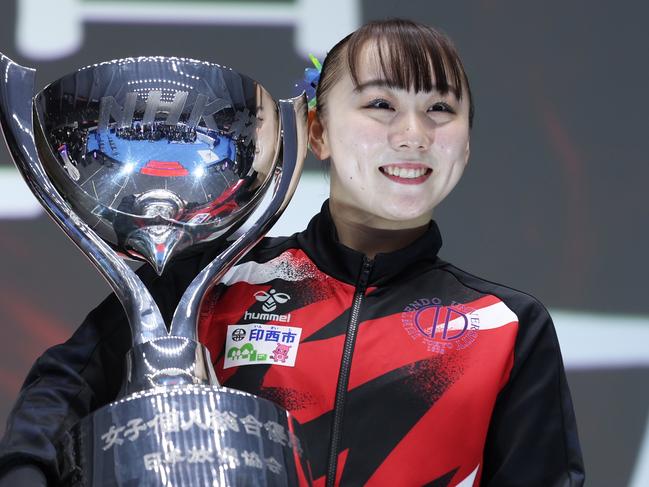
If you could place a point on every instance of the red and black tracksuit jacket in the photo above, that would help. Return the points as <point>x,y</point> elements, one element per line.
<point>408,371</point>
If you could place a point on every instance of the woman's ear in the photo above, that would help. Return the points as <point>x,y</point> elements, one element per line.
<point>318,137</point>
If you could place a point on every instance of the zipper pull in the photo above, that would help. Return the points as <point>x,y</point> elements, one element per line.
<point>366,269</point>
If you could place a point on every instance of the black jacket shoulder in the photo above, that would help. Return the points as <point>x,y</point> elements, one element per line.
<point>533,430</point>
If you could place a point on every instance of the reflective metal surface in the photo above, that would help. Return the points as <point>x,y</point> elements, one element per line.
<point>16,109</point>
<point>198,436</point>
<point>150,157</point>
<point>167,361</point>
<point>153,156</point>
<point>158,154</point>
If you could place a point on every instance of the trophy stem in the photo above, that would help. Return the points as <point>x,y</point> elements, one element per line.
<point>288,171</point>
<point>16,117</point>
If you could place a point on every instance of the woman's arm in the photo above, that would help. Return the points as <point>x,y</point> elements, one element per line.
<point>532,439</point>
<point>65,384</point>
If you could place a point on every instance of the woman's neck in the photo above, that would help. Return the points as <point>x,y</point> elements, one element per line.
<point>371,240</point>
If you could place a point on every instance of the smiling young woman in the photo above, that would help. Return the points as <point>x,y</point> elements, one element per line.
<point>407,370</point>
<point>396,132</point>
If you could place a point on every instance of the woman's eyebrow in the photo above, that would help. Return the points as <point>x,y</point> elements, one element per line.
<point>373,83</point>
<point>383,83</point>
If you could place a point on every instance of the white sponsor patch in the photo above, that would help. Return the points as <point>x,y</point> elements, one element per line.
<point>258,343</point>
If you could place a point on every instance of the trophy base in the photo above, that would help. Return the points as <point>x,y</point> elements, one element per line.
<point>188,435</point>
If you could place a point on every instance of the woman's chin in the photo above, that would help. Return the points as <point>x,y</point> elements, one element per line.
<point>405,217</point>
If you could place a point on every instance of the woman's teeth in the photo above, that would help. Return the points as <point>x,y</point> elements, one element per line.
<point>406,173</point>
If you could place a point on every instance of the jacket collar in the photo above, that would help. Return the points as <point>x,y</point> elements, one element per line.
<point>320,242</point>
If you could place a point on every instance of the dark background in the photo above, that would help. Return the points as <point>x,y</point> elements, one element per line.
<point>554,200</point>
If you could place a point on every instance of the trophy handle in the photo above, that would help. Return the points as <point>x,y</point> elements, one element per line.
<point>16,117</point>
<point>287,174</point>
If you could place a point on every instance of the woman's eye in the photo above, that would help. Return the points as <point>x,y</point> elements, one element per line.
<point>441,107</point>
<point>379,103</point>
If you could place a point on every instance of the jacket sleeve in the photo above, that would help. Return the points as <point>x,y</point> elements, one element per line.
<point>532,438</point>
<point>71,380</point>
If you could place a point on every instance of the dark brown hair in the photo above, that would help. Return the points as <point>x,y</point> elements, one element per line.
<point>405,50</point>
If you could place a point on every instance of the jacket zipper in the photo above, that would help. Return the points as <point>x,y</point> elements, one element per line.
<point>345,367</point>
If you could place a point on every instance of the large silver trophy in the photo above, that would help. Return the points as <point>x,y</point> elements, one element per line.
<point>151,157</point>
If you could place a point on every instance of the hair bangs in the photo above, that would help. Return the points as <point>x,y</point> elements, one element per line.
<point>410,55</point>
<point>404,49</point>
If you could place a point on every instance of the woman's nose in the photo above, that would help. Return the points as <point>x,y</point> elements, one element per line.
<point>411,131</point>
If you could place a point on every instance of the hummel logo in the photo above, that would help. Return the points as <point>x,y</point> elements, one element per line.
<point>270,299</point>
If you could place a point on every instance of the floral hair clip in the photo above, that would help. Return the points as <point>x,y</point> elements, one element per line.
<point>310,82</point>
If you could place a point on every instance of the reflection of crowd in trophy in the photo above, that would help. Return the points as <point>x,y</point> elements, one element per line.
<point>71,136</point>
<point>220,145</point>
<point>154,132</point>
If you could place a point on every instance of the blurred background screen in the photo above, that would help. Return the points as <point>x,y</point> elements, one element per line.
<point>554,200</point>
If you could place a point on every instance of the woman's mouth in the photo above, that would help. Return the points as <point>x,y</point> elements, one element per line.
<point>406,173</point>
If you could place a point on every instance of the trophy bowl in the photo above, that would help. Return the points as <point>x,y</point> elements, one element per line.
<point>148,158</point>
<point>158,155</point>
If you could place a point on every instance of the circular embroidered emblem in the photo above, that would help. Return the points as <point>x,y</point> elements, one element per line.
<point>441,327</point>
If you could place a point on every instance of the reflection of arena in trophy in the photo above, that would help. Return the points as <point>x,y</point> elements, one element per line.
<point>206,135</point>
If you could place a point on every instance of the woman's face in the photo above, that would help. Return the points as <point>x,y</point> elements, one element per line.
<point>395,154</point>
